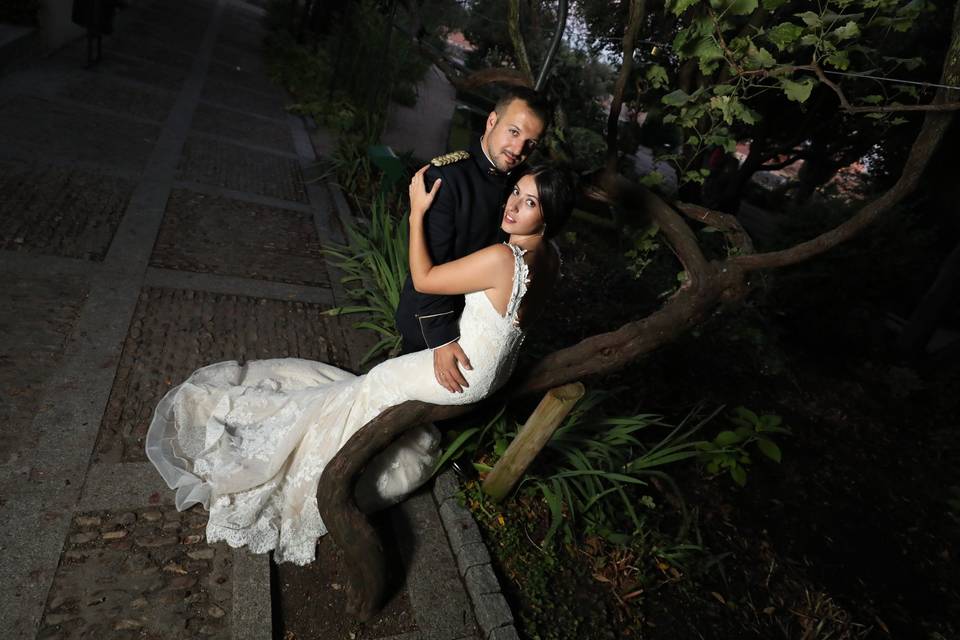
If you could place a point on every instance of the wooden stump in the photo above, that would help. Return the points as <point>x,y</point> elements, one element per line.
<point>538,430</point>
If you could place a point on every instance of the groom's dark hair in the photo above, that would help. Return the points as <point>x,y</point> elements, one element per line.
<point>535,100</point>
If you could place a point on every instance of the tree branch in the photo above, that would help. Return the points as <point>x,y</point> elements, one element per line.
<point>724,222</point>
<point>935,125</point>
<point>503,75</point>
<point>613,187</point>
<point>849,108</point>
<point>616,104</point>
<point>516,38</point>
<point>554,45</point>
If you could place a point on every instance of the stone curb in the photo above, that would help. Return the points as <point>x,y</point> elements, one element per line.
<point>473,561</point>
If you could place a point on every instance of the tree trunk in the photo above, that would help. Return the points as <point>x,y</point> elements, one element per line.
<point>924,319</point>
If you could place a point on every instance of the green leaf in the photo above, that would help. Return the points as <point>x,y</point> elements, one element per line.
<point>723,89</point>
<point>652,179</point>
<point>708,52</point>
<point>679,6</point>
<point>745,113</point>
<point>742,7</point>
<point>846,32</point>
<point>797,91</point>
<point>810,18</point>
<point>739,475</point>
<point>769,421</point>
<point>727,438</point>
<point>773,5</point>
<point>760,58</point>
<point>676,98</point>
<point>784,34</point>
<point>809,40</point>
<point>839,59</point>
<point>769,448</point>
<point>872,99</point>
<point>657,76</point>
<point>455,447</point>
<point>746,414</point>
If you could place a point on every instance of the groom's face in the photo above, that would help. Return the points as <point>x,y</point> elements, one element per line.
<point>510,136</point>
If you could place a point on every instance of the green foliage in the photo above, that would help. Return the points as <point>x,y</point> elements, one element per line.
<point>742,63</point>
<point>375,263</point>
<point>347,74</point>
<point>594,473</point>
<point>644,246</point>
<point>587,148</point>
<point>350,163</point>
<point>730,449</point>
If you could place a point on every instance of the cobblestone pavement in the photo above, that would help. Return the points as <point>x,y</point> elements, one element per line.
<point>155,218</point>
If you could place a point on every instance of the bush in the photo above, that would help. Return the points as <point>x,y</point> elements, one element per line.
<point>375,262</point>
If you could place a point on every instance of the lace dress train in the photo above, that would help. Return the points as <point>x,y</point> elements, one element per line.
<point>249,442</point>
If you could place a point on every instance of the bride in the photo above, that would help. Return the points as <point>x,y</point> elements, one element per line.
<point>249,442</point>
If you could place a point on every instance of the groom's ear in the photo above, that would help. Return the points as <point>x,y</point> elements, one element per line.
<point>491,121</point>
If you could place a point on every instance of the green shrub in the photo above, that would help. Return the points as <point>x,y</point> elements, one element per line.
<point>375,263</point>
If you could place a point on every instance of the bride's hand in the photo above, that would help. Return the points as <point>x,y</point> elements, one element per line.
<point>420,198</point>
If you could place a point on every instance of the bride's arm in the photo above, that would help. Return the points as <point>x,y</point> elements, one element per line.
<point>485,269</point>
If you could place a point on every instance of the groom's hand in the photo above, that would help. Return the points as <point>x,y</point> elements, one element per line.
<point>445,361</point>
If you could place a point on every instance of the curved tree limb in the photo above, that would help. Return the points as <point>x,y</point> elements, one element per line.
<point>516,38</point>
<point>503,75</point>
<point>554,45</point>
<point>935,125</point>
<point>724,222</point>
<point>614,187</point>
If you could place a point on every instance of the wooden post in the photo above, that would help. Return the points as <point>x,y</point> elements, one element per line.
<point>538,430</point>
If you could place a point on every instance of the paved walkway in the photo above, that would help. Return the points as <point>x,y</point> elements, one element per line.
<point>423,128</point>
<point>157,215</point>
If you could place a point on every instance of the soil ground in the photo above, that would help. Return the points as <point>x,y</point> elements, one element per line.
<point>853,535</point>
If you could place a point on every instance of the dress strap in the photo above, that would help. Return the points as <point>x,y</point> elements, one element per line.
<point>521,278</point>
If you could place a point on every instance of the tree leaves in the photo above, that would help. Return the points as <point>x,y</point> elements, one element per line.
<point>679,6</point>
<point>770,449</point>
<point>676,98</point>
<point>797,91</point>
<point>810,18</point>
<point>657,76</point>
<point>839,59</point>
<point>709,53</point>
<point>784,34</point>
<point>846,32</point>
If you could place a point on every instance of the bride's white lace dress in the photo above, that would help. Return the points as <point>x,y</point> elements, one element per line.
<point>249,442</point>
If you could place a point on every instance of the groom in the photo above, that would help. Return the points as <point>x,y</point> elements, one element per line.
<point>465,217</point>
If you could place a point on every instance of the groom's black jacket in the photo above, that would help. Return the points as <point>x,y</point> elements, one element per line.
<point>464,217</point>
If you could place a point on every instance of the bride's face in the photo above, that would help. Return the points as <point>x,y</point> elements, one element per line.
<point>522,216</point>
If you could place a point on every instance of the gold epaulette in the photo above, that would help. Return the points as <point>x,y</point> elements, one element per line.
<point>450,158</point>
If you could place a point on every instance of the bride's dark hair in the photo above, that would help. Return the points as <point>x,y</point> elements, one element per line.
<point>556,186</point>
